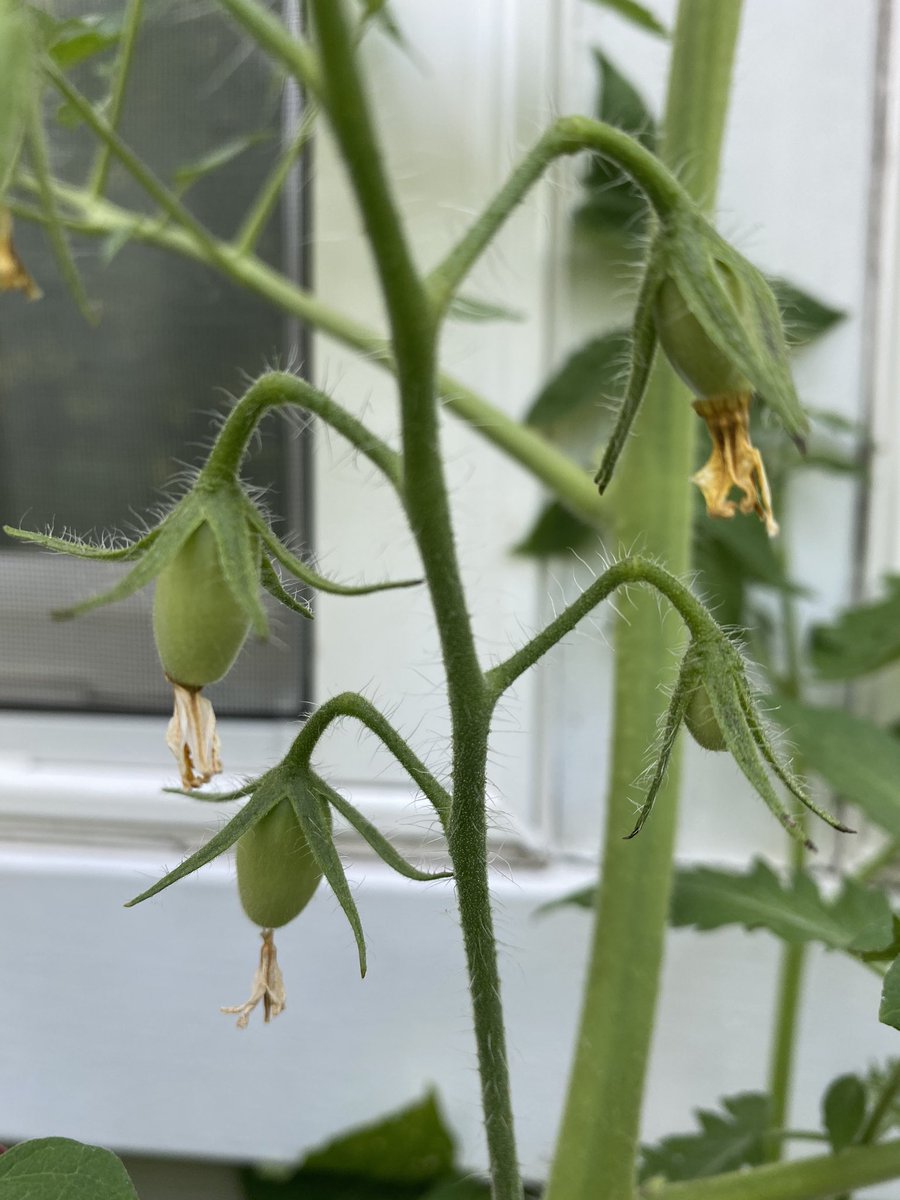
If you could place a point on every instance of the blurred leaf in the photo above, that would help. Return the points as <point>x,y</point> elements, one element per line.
<point>726,1141</point>
<point>613,201</point>
<point>638,14</point>
<point>834,461</point>
<point>468,308</point>
<point>720,580</point>
<point>589,378</point>
<point>750,549</point>
<point>411,1146</point>
<point>862,639</point>
<point>857,759</point>
<point>17,84</point>
<point>556,531</point>
<point>185,177</point>
<point>805,318</point>
<point>877,1079</point>
<point>70,41</point>
<point>889,1012</point>
<point>844,1110</point>
<point>794,910</point>
<point>402,1156</point>
<point>60,1169</point>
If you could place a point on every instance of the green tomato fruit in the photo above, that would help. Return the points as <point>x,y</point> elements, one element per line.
<point>276,871</point>
<point>701,721</point>
<point>197,622</point>
<point>701,364</point>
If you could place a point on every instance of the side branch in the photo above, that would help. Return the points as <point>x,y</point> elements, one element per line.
<point>352,704</point>
<point>568,135</point>
<point>629,570</point>
<point>271,36</point>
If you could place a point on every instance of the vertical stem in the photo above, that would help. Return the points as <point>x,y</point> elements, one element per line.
<point>598,1140</point>
<point>413,326</point>
<point>793,958</point>
<point>129,35</point>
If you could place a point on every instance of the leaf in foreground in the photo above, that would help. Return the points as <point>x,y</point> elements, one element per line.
<point>794,910</point>
<point>61,1169</point>
<point>726,1141</point>
<point>844,1110</point>
<point>862,639</point>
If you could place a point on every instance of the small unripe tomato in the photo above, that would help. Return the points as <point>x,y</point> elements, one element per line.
<point>277,874</point>
<point>702,722</point>
<point>197,622</point>
<point>695,357</point>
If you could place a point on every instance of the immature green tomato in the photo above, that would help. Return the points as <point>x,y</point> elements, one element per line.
<point>197,622</point>
<point>701,721</point>
<point>695,357</point>
<point>276,871</point>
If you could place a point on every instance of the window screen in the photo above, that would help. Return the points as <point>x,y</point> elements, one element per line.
<point>95,422</point>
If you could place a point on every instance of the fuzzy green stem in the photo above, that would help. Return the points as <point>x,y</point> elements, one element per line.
<point>598,1141</point>
<point>278,389</point>
<point>413,328</point>
<point>816,1178</point>
<point>568,135</point>
<point>270,35</point>
<point>264,205</point>
<point>132,24</point>
<point>358,708</point>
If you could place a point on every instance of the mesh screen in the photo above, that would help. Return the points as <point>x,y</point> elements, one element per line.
<point>96,422</point>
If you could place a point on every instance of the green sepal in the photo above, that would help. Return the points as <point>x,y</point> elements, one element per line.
<point>273,585</point>
<point>643,349</point>
<point>753,339</point>
<point>688,680</point>
<point>379,843</point>
<point>315,820</point>
<point>217,797</point>
<point>239,556</point>
<point>268,791</point>
<point>172,534</point>
<point>300,570</point>
<point>84,549</point>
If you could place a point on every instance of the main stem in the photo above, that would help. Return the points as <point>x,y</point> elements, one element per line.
<point>413,327</point>
<point>597,1147</point>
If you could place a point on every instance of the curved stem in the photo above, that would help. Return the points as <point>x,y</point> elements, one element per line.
<point>357,707</point>
<point>275,390</point>
<point>598,1140</point>
<point>629,570</point>
<point>568,135</point>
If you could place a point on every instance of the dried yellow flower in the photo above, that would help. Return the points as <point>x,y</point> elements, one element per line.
<point>734,462</point>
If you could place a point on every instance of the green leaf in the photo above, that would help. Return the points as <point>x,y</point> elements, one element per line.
<point>61,1169</point>
<point>315,821</point>
<point>720,576</point>
<point>402,1157</point>
<point>857,759</point>
<point>749,550</point>
<point>556,531</point>
<point>189,174</point>
<point>862,639</point>
<point>469,308</point>
<point>637,14</point>
<point>805,318</point>
<point>375,838</point>
<point>844,1110</point>
<point>71,40</point>
<point>726,1141</point>
<point>709,898</point>
<point>613,201</point>
<point>589,378</point>
<point>889,1012</point>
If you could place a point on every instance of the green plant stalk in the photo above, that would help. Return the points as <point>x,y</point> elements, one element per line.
<point>792,966</point>
<point>414,326</point>
<point>818,1178</point>
<point>598,1141</point>
<point>100,171</point>
<point>887,1097</point>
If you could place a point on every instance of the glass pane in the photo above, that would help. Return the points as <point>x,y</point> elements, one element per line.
<point>96,422</point>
